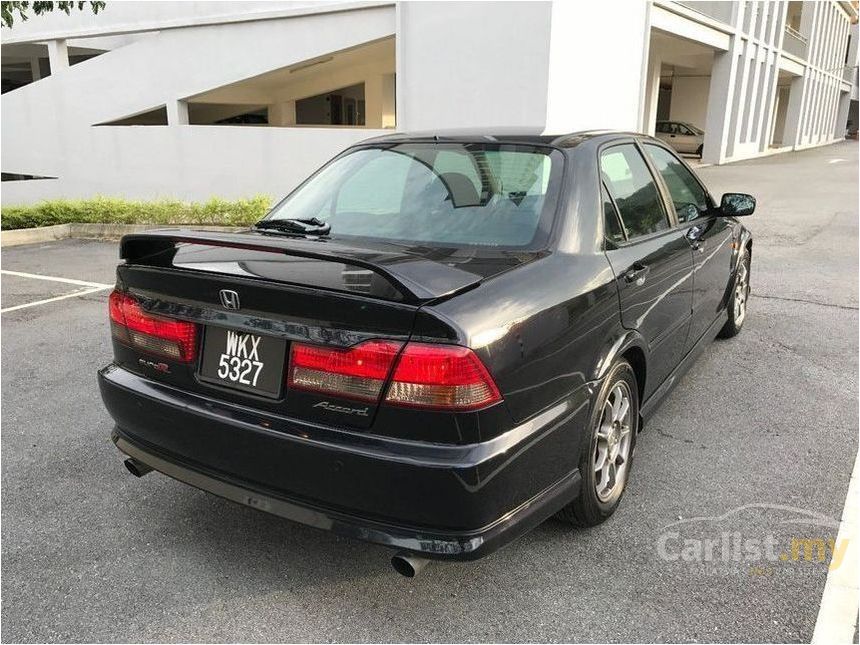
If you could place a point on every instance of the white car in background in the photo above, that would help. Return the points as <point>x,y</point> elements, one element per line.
<point>683,137</point>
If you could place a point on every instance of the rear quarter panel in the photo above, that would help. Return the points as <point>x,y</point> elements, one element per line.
<point>541,329</point>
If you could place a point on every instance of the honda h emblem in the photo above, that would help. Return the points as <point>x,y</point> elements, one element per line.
<point>230,299</point>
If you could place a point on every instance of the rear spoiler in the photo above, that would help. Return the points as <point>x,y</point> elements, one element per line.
<point>416,277</point>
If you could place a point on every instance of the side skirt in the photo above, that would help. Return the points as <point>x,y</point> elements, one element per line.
<point>650,406</point>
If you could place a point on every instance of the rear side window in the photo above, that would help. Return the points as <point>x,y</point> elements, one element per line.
<point>683,187</point>
<point>612,224</point>
<point>630,182</point>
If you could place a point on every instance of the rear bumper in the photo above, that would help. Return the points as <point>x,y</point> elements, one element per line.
<point>443,501</point>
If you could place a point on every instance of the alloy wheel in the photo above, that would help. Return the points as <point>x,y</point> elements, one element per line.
<point>742,290</point>
<point>612,453</point>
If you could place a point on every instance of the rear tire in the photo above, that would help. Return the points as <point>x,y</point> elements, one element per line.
<point>737,306</point>
<point>699,150</point>
<point>607,454</point>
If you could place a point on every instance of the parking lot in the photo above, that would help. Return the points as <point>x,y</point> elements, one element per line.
<point>762,430</point>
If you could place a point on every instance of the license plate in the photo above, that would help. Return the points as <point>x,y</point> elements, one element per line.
<point>243,361</point>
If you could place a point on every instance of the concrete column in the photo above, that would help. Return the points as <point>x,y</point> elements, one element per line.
<point>58,55</point>
<point>282,114</point>
<point>35,69</point>
<point>852,45</point>
<point>842,115</point>
<point>769,103</point>
<point>177,113</point>
<point>808,21</point>
<point>721,95</point>
<point>652,92</point>
<point>389,118</point>
<point>373,92</point>
<point>746,127</point>
<point>794,112</point>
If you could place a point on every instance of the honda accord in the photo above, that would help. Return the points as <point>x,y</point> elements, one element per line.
<point>434,343</point>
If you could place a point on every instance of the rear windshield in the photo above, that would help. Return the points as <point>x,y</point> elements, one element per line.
<point>438,194</point>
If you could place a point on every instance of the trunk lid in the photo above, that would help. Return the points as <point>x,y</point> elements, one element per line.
<point>290,290</point>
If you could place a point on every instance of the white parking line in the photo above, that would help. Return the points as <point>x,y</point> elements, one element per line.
<point>74,294</point>
<point>91,287</point>
<point>50,278</point>
<point>837,614</point>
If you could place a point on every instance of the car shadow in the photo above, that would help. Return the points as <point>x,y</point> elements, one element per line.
<point>236,541</point>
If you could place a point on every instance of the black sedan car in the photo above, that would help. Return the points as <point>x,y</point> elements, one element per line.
<point>435,342</point>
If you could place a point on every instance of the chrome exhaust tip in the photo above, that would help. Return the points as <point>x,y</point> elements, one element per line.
<point>407,564</point>
<point>137,468</point>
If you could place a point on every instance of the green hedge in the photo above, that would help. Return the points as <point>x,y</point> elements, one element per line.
<point>109,210</point>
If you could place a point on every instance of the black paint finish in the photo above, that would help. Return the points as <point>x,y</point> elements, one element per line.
<point>547,323</point>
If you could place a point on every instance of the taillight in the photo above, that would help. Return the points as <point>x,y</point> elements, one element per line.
<point>445,377</point>
<point>441,377</point>
<point>133,326</point>
<point>357,372</point>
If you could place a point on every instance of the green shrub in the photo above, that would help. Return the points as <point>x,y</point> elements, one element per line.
<point>111,210</point>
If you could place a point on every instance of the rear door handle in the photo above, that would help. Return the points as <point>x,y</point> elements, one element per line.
<point>637,274</point>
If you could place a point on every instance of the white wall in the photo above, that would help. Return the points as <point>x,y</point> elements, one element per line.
<point>139,15</point>
<point>472,65</point>
<point>690,99</point>
<point>191,162</point>
<point>48,127</point>
<point>596,65</point>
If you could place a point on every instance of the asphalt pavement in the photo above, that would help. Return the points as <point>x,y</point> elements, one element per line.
<point>756,444</point>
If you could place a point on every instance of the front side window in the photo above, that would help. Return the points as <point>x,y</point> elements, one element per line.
<point>683,187</point>
<point>446,194</point>
<point>631,184</point>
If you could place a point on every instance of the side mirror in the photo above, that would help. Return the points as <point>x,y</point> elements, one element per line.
<point>737,204</point>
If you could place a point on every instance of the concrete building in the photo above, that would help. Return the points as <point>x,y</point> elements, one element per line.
<point>195,99</point>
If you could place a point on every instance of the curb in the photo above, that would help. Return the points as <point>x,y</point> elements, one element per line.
<point>35,235</point>
<point>83,231</point>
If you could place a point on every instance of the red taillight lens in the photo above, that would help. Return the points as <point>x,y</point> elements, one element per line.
<point>130,324</point>
<point>442,377</point>
<point>357,372</point>
<point>446,377</point>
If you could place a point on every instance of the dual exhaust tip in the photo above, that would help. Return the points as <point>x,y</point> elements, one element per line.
<point>406,564</point>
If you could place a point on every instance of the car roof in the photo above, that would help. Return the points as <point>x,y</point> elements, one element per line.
<point>499,135</point>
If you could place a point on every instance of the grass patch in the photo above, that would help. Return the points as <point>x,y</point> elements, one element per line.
<point>109,210</point>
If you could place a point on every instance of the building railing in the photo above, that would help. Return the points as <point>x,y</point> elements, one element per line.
<point>794,42</point>
<point>720,10</point>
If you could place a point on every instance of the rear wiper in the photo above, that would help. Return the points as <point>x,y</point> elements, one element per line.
<point>304,226</point>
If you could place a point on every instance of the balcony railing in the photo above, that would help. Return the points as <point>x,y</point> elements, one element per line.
<point>720,10</point>
<point>794,42</point>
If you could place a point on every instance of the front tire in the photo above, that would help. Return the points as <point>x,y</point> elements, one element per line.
<point>737,306</point>
<point>607,455</point>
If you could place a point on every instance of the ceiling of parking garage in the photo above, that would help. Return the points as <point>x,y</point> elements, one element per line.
<point>681,57</point>
<point>302,78</point>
